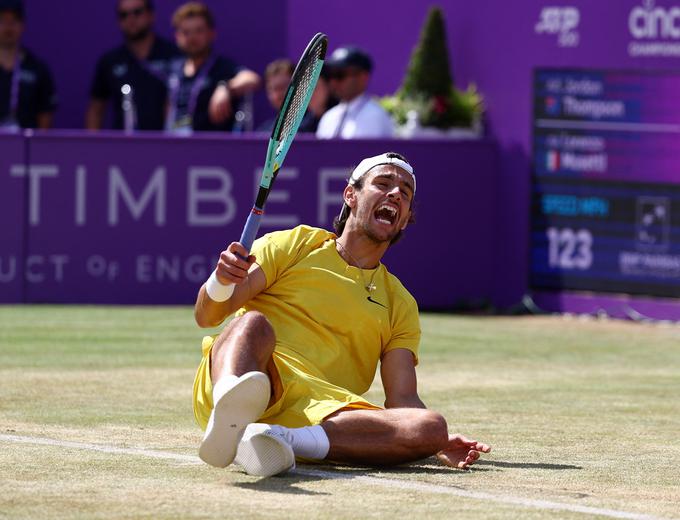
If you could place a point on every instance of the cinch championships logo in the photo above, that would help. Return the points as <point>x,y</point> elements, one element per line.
<point>656,30</point>
<point>562,21</point>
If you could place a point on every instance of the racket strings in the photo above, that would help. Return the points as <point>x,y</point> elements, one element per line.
<point>305,79</point>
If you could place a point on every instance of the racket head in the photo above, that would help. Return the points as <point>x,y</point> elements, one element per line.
<point>294,106</point>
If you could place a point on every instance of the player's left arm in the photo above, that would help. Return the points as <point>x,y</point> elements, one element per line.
<point>398,374</point>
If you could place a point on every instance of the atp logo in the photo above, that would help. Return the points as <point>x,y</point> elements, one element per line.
<point>560,21</point>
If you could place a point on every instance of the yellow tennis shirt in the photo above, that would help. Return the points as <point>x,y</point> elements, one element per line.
<point>330,331</point>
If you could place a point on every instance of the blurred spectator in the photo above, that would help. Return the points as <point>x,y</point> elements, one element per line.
<point>27,94</point>
<point>205,88</point>
<point>143,61</point>
<point>357,115</point>
<point>277,77</point>
<point>319,104</point>
<point>276,80</point>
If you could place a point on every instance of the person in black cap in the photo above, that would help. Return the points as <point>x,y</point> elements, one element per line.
<point>357,115</point>
<point>27,93</point>
<point>143,62</point>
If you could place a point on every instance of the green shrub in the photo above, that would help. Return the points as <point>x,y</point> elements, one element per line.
<point>428,87</point>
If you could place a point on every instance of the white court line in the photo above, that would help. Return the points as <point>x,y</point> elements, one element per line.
<point>191,459</point>
<point>407,485</point>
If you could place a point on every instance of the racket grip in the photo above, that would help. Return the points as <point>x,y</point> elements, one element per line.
<point>251,228</point>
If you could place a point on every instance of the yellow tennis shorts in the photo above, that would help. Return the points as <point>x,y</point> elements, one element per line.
<point>299,398</point>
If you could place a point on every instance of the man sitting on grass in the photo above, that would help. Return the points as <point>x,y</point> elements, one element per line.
<point>316,312</point>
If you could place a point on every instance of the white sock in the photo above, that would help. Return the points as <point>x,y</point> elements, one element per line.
<point>310,442</point>
<point>223,384</point>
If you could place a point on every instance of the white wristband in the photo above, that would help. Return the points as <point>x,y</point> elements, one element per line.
<point>217,290</point>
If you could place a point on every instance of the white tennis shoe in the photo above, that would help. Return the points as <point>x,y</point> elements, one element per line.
<point>241,403</point>
<point>265,451</point>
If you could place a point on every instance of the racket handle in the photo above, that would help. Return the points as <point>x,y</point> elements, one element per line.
<point>250,229</point>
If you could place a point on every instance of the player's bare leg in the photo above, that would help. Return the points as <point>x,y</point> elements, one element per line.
<point>241,387</point>
<point>385,437</point>
<point>365,437</point>
<point>368,437</point>
<point>245,345</point>
<point>397,436</point>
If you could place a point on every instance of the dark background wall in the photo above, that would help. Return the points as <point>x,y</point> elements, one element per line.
<point>494,43</point>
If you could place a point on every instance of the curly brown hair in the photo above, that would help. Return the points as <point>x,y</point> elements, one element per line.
<point>193,10</point>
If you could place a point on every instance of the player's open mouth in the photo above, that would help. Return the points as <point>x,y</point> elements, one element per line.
<point>386,214</point>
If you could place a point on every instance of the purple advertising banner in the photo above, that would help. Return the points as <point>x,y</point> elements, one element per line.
<point>620,306</point>
<point>13,183</point>
<point>142,220</point>
<point>494,44</point>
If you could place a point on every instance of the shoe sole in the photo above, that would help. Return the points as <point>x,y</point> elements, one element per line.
<point>242,404</point>
<point>265,456</point>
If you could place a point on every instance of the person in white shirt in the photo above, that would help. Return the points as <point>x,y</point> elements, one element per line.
<point>357,115</point>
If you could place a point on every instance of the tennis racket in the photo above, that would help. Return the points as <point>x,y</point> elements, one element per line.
<point>288,121</point>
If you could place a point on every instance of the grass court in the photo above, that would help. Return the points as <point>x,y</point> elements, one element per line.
<point>583,416</point>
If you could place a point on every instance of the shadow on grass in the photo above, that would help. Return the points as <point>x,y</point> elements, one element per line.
<point>313,473</point>
<point>525,465</point>
<point>286,483</point>
<point>428,467</point>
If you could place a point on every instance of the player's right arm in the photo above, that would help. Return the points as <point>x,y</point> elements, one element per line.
<point>247,278</point>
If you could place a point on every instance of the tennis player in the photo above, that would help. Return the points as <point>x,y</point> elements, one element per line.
<point>315,314</point>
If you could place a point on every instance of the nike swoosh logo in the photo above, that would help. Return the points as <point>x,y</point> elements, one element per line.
<point>377,303</point>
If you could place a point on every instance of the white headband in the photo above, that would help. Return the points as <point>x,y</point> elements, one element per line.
<point>372,162</point>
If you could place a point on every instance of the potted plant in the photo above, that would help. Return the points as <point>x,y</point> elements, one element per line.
<point>428,103</point>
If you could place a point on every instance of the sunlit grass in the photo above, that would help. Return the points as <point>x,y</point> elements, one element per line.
<point>580,412</point>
